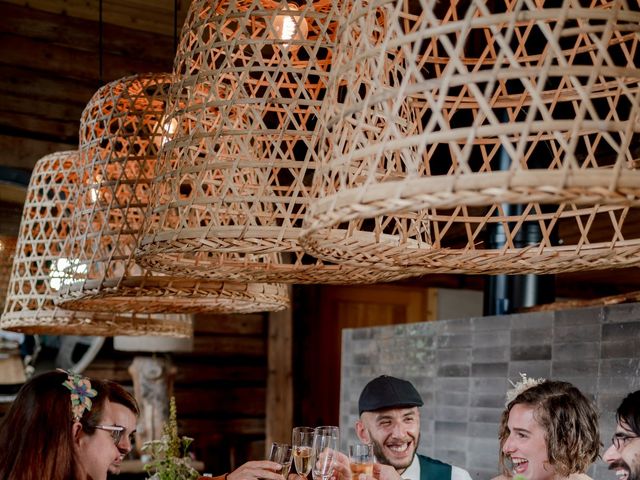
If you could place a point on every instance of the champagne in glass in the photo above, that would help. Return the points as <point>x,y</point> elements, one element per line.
<point>361,459</point>
<point>302,441</point>
<point>325,444</point>
<point>281,453</point>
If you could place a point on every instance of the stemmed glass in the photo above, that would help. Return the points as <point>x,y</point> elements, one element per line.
<point>281,453</point>
<point>325,442</point>
<point>302,442</point>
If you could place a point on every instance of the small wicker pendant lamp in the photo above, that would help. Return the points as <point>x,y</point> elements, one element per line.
<point>37,270</point>
<point>460,118</point>
<point>121,131</point>
<point>234,177</point>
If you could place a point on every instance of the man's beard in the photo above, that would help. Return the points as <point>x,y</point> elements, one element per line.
<point>634,474</point>
<point>381,458</point>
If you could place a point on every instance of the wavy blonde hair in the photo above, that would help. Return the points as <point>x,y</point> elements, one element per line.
<point>570,422</point>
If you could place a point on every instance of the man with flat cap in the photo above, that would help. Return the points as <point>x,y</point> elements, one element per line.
<point>390,420</point>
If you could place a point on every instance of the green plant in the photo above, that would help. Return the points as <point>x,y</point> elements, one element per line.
<point>169,457</point>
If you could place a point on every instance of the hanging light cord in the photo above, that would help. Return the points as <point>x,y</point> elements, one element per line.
<point>175,25</point>
<point>100,34</point>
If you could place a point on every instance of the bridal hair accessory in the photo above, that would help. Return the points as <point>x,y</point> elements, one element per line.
<point>81,393</point>
<point>525,383</point>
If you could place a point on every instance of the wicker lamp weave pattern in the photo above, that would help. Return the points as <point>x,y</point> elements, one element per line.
<point>37,271</point>
<point>235,175</point>
<point>447,121</point>
<point>121,131</point>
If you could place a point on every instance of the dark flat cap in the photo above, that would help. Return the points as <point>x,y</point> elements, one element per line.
<point>388,392</point>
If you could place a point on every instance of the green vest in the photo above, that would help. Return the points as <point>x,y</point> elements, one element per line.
<point>431,469</point>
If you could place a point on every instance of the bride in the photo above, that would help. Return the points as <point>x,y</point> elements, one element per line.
<point>548,431</point>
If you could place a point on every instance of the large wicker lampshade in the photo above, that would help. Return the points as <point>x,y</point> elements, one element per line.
<point>36,274</point>
<point>451,120</point>
<point>234,177</point>
<point>121,131</point>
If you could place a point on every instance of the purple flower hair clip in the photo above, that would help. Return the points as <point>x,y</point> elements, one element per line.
<point>81,393</point>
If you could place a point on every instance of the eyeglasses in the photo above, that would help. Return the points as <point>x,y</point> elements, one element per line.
<point>116,431</point>
<point>620,440</point>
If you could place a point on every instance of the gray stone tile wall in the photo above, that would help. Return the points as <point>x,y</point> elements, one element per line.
<point>462,369</point>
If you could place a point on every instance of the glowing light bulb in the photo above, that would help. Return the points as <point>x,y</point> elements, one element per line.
<point>291,27</point>
<point>168,130</point>
<point>288,28</point>
<point>93,191</point>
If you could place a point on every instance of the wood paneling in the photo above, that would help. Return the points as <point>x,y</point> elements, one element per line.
<point>147,15</point>
<point>227,401</point>
<point>229,346</point>
<point>80,34</point>
<point>74,63</point>
<point>279,381</point>
<point>50,66</point>
<point>251,324</point>
<point>11,214</point>
<point>209,427</point>
<point>23,83</point>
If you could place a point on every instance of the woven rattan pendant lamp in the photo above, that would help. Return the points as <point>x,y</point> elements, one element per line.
<point>37,271</point>
<point>121,131</point>
<point>460,118</point>
<point>234,176</point>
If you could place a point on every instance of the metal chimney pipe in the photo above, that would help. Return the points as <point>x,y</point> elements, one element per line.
<point>504,294</point>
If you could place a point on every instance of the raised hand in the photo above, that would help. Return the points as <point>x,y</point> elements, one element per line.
<point>257,470</point>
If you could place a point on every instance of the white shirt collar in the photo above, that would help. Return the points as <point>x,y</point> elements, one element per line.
<point>413,471</point>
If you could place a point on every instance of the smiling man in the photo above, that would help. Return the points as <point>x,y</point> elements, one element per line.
<point>125,413</point>
<point>623,456</point>
<point>390,420</point>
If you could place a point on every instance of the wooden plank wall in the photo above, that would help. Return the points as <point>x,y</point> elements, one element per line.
<point>279,403</point>
<point>50,65</point>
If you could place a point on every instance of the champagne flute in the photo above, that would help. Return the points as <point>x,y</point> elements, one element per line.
<point>361,459</point>
<point>325,442</point>
<point>302,442</point>
<point>281,453</point>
